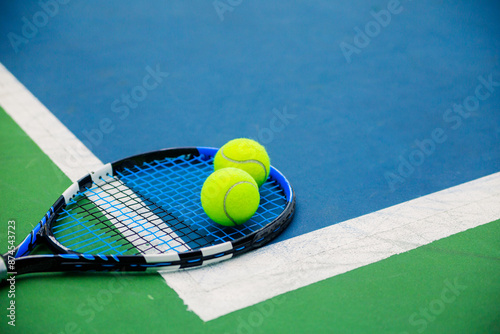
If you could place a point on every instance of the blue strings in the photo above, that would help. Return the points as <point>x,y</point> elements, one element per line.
<point>163,213</point>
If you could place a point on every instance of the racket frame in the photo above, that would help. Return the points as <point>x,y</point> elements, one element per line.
<point>66,259</point>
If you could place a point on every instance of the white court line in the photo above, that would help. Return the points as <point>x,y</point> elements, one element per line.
<point>55,140</point>
<point>133,219</point>
<point>219,289</point>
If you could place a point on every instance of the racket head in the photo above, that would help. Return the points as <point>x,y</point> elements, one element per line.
<point>148,206</point>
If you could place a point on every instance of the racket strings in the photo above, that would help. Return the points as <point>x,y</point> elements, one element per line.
<point>167,228</point>
<point>138,225</point>
<point>154,208</point>
<point>78,229</point>
<point>76,236</point>
<point>176,184</point>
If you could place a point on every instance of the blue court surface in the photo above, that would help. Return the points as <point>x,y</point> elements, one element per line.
<point>363,105</point>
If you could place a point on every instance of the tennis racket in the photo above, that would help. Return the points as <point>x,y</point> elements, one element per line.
<point>144,213</point>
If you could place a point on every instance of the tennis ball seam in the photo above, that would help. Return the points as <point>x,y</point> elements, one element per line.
<point>246,161</point>
<point>227,194</point>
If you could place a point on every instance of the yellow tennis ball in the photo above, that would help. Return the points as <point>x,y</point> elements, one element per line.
<point>245,154</point>
<point>230,196</point>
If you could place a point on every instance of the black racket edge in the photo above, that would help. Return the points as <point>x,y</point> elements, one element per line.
<point>16,262</point>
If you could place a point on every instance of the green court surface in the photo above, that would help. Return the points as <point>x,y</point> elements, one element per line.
<point>449,286</point>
